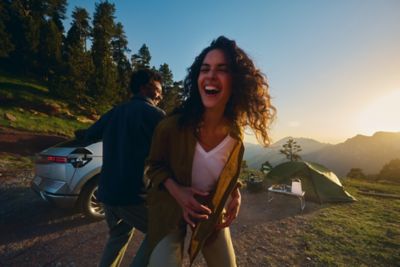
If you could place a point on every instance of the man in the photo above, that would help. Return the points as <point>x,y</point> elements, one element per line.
<point>126,131</point>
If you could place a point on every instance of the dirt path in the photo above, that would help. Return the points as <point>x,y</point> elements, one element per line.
<point>33,233</point>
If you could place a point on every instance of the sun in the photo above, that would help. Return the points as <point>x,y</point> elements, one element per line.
<point>383,114</point>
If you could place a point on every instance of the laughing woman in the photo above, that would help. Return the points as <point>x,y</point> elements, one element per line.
<point>196,155</point>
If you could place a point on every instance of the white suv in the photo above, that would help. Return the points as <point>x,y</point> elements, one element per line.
<point>67,175</point>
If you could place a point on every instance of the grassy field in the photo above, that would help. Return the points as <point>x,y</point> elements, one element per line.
<point>365,233</point>
<point>35,109</point>
<point>12,162</point>
<point>362,233</point>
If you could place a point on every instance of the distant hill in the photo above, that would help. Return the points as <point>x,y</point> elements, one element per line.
<point>369,153</point>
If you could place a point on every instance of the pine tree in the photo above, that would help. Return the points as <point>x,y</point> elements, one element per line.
<point>119,45</point>
<point>56,10</point>
<point>104,81</point>
<point>167,76</point>
<point>171,89</point>
<point>80,29</point>
<point>37,33</point>
<point>291,149</point>
<point>49,49</point>
<point>51,38</point>
<point>6,45</point>
<point>73,82</point>
<point>26,17</point>
<point>141,60</point>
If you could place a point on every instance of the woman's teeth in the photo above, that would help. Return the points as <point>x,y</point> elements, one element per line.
<point>211,90</point>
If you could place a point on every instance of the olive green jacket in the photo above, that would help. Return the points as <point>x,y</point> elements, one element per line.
<point>171,156</point>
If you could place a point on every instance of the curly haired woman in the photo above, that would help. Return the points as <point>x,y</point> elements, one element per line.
<point>196,154</point>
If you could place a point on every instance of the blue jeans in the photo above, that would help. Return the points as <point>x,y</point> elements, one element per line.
<point>122,221</point>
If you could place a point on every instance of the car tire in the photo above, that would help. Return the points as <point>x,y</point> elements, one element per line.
<point>89,203</point>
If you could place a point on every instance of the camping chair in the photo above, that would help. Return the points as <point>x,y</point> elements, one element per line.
<point>294,190</point>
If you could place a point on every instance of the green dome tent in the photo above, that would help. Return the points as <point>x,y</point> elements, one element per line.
<point>320,184</point>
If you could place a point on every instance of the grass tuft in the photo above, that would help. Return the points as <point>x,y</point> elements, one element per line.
<point>35,109</point>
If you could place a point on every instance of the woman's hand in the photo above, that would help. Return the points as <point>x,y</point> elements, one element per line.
<point>232,211</point>
<point>191,208</point>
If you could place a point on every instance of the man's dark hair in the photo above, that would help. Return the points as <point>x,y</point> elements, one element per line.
<point>143,77</point>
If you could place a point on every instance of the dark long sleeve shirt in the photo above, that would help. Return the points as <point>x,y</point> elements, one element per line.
<point>126,131</point>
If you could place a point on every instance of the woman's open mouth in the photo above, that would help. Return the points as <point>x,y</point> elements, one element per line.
<point>211,90</point>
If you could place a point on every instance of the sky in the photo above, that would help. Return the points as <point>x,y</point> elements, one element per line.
<point>333,66</point>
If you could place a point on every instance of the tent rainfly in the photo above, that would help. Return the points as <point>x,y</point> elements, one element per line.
<point>320,184</point>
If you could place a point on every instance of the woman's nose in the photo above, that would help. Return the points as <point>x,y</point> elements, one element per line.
<point>212,73</point>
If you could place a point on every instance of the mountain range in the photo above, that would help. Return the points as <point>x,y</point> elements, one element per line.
<point>369,153</point>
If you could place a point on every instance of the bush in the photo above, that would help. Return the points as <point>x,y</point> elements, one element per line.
<point>391,171</point>
<point>355,173</point>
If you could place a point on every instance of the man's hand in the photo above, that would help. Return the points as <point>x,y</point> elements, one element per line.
<point>232,211</point>
<point>191,208</point>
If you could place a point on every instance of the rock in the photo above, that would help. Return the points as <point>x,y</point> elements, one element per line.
<point>53,108</point>
<point>34,112</point>
<point>10,117</point>
<point>262,248</point>
<point>21,110</point>
<point>93,116</point>
<point>84,120</point>
<point>68,115</point>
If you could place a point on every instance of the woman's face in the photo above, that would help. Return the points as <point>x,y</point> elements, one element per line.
<point>215,80</point>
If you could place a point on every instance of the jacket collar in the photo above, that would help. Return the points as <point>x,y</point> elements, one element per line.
<point>143,98</point>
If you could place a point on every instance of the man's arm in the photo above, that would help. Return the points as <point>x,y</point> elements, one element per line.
<point>95,132</point>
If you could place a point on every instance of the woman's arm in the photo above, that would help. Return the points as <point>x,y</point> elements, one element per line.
<point>232,210</point>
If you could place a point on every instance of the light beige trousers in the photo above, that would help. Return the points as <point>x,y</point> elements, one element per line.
<point>169,252</point>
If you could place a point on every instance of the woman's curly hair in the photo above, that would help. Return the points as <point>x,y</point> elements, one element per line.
<point>250,102</point>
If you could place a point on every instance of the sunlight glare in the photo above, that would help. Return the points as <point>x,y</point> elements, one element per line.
<point>381,115</point>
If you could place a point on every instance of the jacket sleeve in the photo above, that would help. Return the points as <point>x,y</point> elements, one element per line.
<point>95,132</point>
<point>158,165</point>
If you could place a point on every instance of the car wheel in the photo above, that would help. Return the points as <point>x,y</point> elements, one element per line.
<point>89,203</point>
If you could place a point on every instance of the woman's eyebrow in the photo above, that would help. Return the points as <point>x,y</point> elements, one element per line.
<point>223,65</point>
<point>218,65</point>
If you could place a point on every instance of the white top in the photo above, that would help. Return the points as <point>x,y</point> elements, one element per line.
<point>207,166</point>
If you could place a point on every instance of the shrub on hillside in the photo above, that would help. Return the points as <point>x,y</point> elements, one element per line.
<point>355,173</point>
<point>391,171</point>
